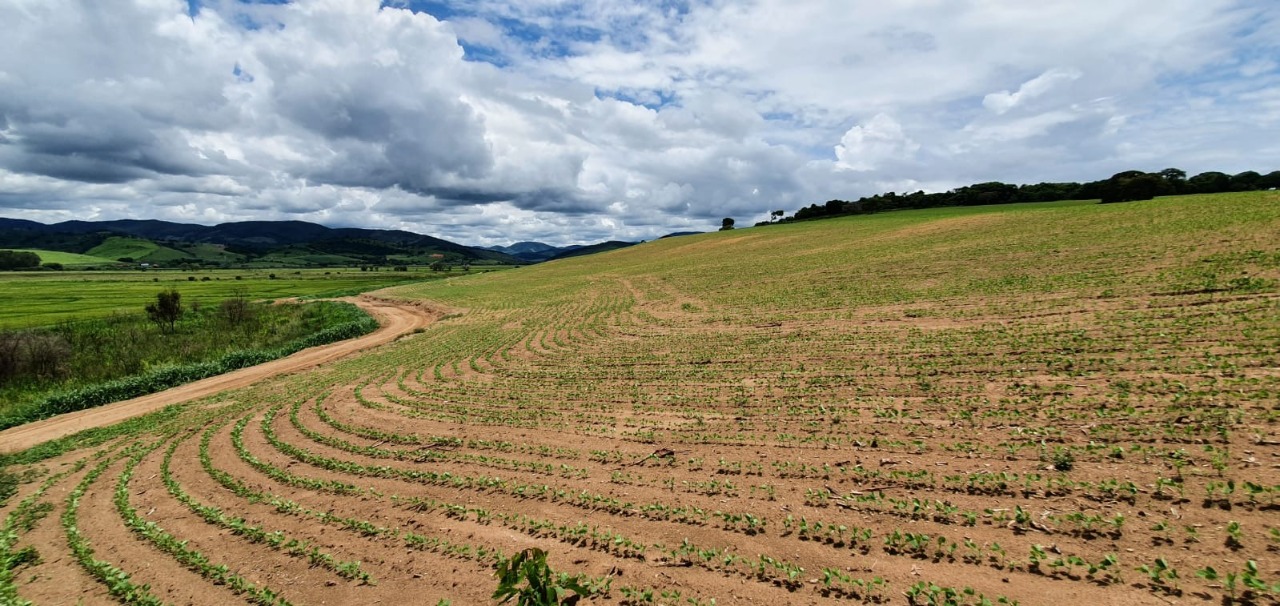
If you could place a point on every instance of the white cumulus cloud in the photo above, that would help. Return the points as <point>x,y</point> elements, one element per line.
<point>1004,100</point>
<point>865,147</point>
<point>490,121</point>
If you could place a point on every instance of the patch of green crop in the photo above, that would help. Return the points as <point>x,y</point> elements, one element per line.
<point>45,298</point>
<point>96,362</point>
<point>67,259</point>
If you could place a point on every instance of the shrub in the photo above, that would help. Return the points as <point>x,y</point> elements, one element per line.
<point>236,311</point>
<point>1063,460</point>
<point>26,355</point>
<point>167,309</point>
<point>12,259</point>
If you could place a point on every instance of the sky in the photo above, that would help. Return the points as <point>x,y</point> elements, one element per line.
<point>487,122</point>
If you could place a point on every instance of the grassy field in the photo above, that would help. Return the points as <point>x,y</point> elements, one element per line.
<point>93,362</point>
<point>44,298</point>
<point>1066,402</point>
<point>67,259</point>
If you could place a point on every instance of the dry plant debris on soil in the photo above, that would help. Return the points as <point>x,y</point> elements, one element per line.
<point>1061,403</point>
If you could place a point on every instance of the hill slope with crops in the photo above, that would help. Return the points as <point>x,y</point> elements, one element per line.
<point>946,406</point>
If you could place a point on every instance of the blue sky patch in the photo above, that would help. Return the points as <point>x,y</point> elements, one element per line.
<point>652,99</point>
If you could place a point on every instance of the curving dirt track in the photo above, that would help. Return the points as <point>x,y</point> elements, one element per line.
<point>396,318</point>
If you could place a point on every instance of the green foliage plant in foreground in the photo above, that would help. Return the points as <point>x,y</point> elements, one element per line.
<point>541,585</point>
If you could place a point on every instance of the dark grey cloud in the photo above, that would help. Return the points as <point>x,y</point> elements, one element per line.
<point>412,140</point>
<point>28,201</point>
<point>98,150</point>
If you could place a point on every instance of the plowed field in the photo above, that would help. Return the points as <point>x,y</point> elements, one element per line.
<point>1060,403</point>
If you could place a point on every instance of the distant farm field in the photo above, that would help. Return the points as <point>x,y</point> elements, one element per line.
<point>1056,403</point>
<point>44,298</point>
<point>67,259</point>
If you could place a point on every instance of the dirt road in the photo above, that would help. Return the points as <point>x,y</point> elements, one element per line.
<point>395,319</point>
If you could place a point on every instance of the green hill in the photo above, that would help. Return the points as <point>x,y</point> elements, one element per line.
<point>591,249</point>
<point>905,257</point>
<point>120,247</point>
<point>211,252</point>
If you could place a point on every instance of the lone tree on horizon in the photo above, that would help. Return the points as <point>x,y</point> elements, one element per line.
<point>726,224</point>
<point>167,309</point>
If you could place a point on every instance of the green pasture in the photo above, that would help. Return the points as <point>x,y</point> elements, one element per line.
<point>45,298</point>
<point>67,259</point>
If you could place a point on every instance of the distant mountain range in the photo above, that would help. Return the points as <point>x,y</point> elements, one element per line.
<point>261,243</point>
<point>529,251</point>
<point>270,243</point>
<point>537,252</point>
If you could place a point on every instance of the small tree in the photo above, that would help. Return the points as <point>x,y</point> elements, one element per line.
<point>235,311</point>
<point>46,356</point>
<point>726,224</point>
<point>167,309</point>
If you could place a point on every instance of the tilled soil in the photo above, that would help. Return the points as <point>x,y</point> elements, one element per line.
<point>1044,453</point>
